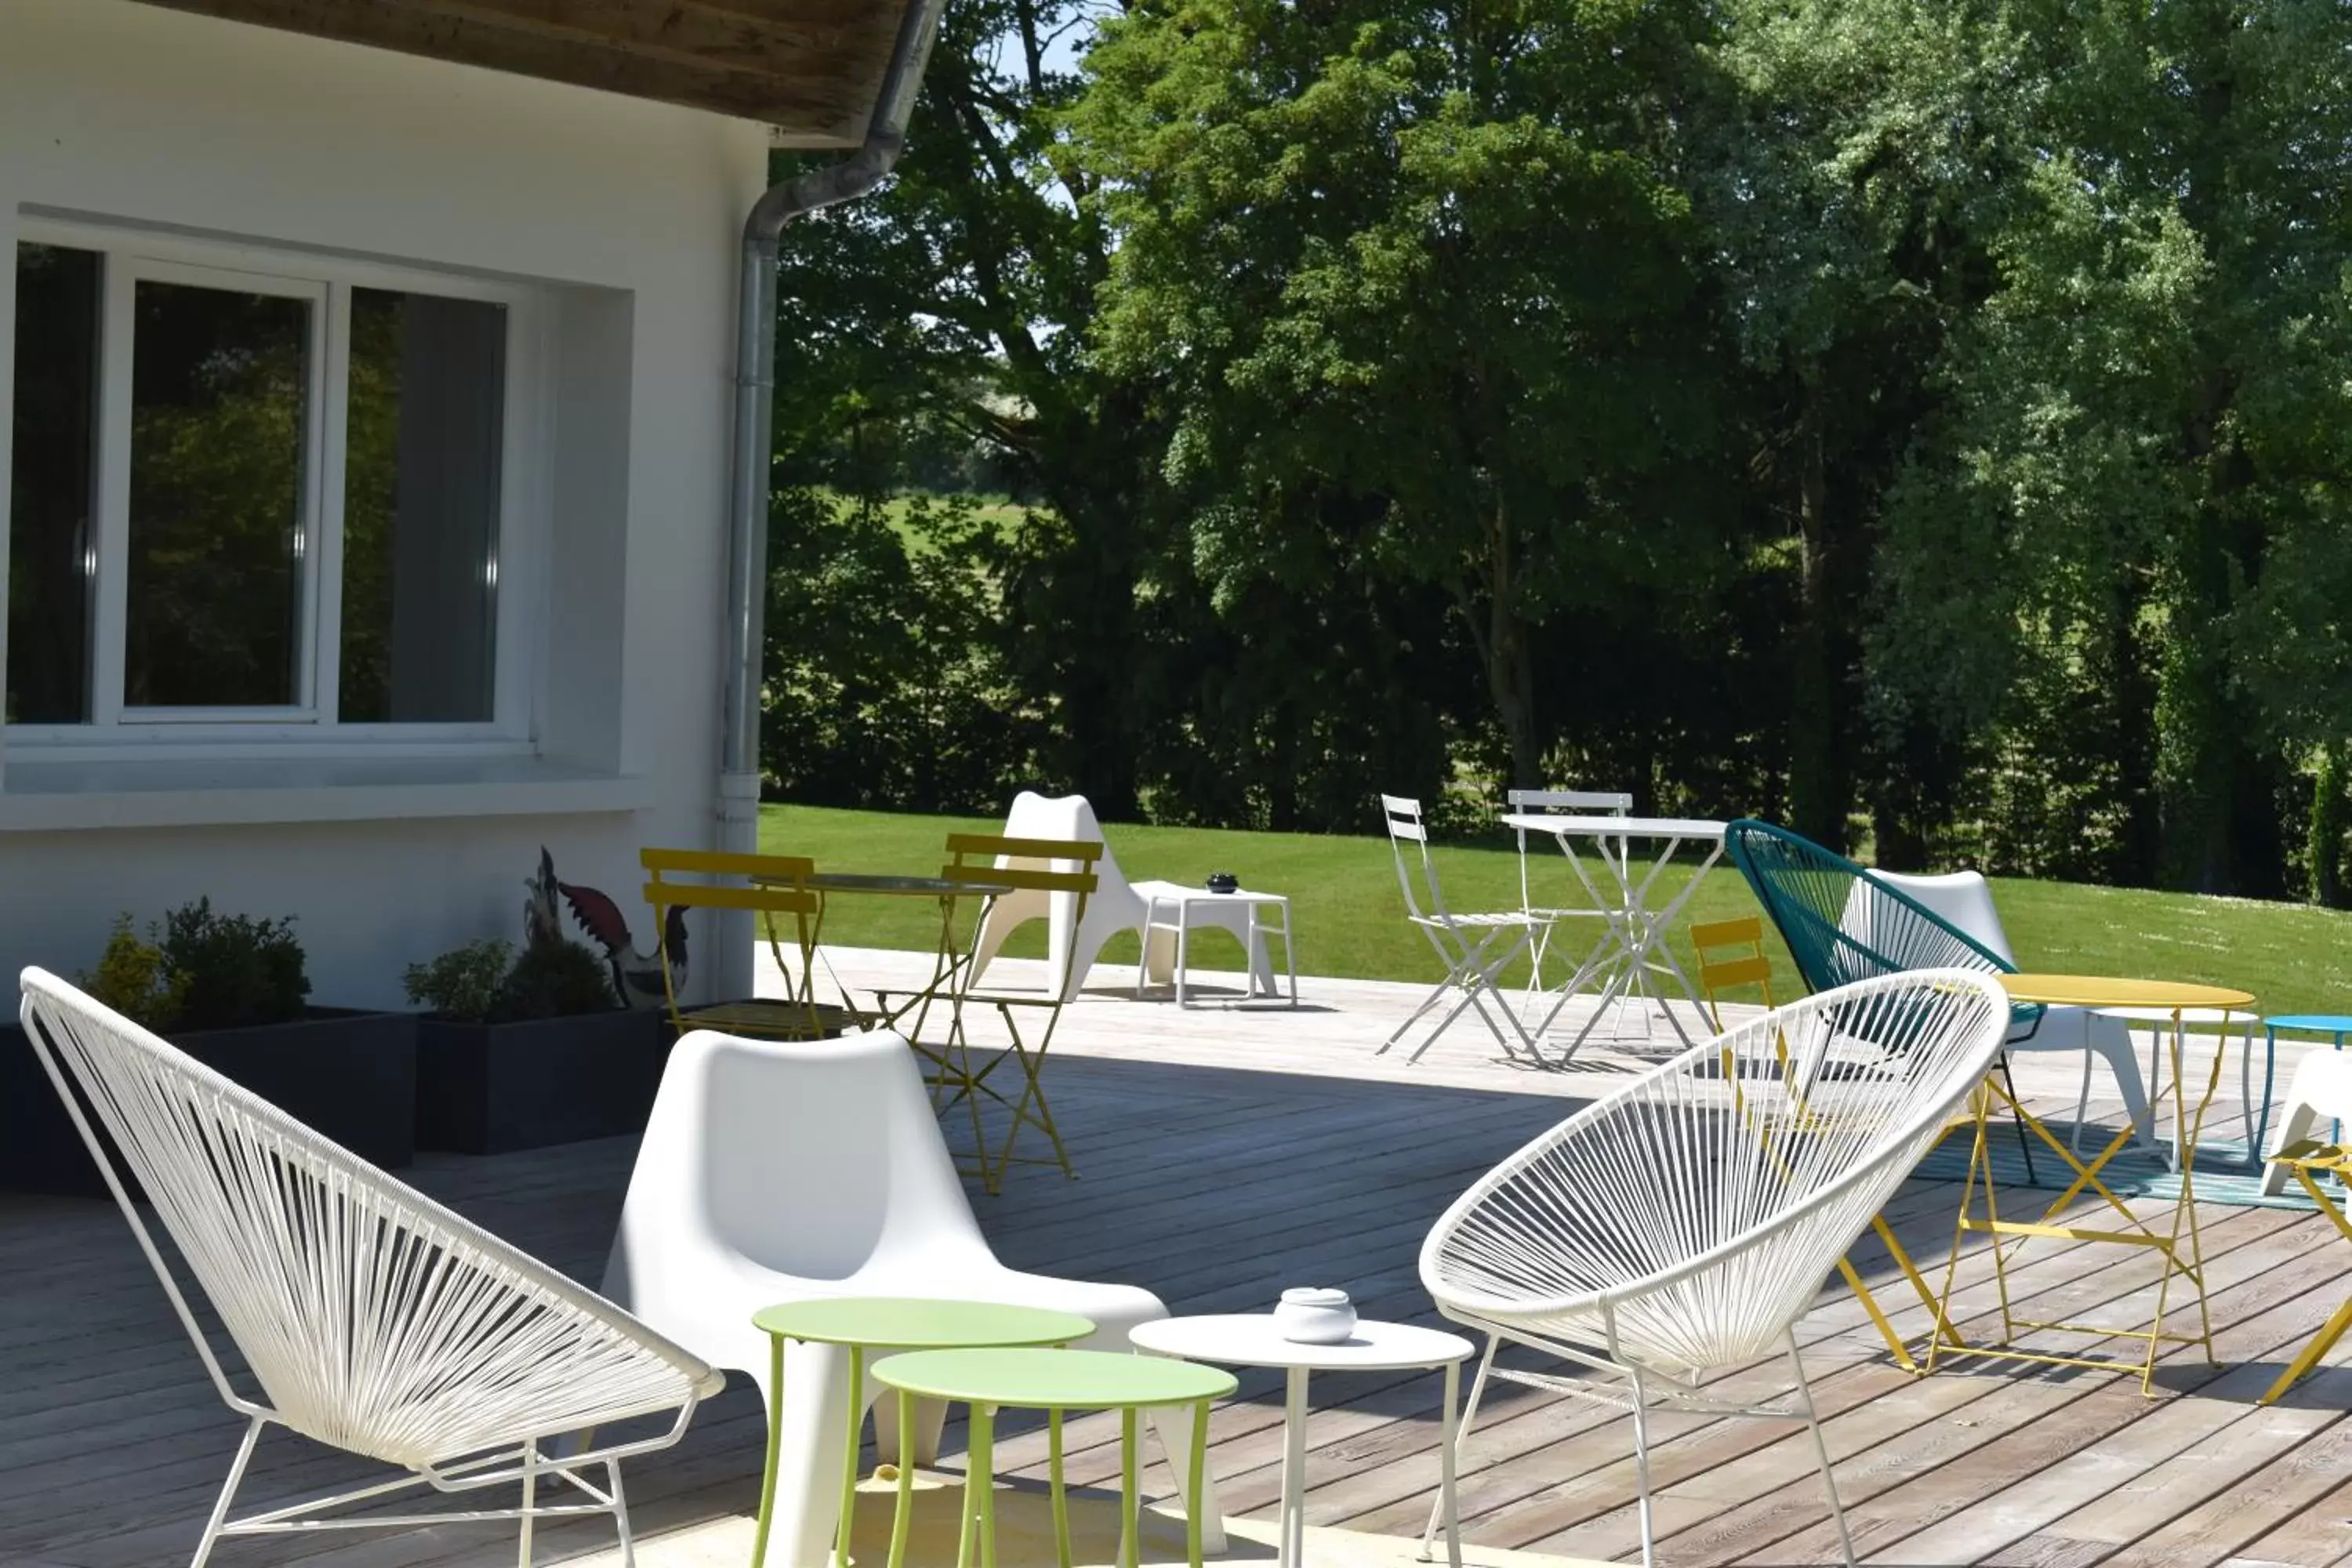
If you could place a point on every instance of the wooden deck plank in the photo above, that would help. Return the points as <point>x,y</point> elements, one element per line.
<point>1223,1153</point>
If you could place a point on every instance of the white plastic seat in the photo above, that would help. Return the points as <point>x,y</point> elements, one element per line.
<point>776,1171</point>
<point>373,1320</point>
<point>1963,900</point>
<point>2320,1092</point>
<point>1681,1225</point>
<point>1116,906</point>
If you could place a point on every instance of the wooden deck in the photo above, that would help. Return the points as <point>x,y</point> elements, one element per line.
<point>1225,1152</point>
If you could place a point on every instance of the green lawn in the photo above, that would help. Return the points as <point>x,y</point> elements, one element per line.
<point>1351,919</point>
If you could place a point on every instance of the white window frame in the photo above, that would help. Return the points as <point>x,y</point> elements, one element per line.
<point>119,731</point>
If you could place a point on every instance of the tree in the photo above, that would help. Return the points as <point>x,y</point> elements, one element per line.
<point>1417,271</point>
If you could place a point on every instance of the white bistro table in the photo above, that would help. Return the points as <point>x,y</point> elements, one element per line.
<point>1253,1339</point>
<point>1634,947</point>
<point>1170,911</point>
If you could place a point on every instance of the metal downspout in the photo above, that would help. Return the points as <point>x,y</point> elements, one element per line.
<point>746,508</point>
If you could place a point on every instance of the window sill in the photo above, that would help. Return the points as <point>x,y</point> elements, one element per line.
<point>48,796</point>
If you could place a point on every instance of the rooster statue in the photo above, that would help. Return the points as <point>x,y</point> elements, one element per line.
<point>636,976</point>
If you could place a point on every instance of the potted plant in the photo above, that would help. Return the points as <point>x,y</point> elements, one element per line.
<point>233,992</point>
<point>523,1049</point>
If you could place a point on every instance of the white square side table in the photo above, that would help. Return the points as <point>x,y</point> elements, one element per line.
<point>1254,1339</point>
<point>1173,910</point>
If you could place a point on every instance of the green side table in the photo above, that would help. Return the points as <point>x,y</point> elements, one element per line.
<point>1054,1381</point>
<point>863,1323</point>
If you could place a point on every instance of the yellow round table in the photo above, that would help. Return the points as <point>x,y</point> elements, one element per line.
<point>2177,1243</point>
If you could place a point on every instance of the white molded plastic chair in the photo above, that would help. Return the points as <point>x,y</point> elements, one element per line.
<point>776,1171</point>
<point>2321,1091</point>
<point>1117,905</point>
<point>1683,1223</point>
<point>373,1319</point>
<point>1571,802</point>
<point>1963,900</point>
<point>1474,948</point>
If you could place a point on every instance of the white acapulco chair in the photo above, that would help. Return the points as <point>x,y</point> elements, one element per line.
<point>373,1319</point>
<point>1683,1223</point>
<point>1474,947</point>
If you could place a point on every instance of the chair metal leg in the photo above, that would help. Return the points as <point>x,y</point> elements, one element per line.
<point>621,1515</point>
<point>1461,1435</point>
<point>2024,1142</point>
<point>529,1500</point>
<point>1821,1448</point>
<point>227,1494</point>
<point>1641,1471</point>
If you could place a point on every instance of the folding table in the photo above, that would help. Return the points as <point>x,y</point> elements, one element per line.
<point>1632,947</point>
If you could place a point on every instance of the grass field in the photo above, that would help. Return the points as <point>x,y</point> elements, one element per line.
<point>1351,921</point>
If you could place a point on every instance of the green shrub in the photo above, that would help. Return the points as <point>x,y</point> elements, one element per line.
<point>231,972</point>
<point>487,982</point>
<point>462,984</point>
<point>554,980</point>
<point>133,979</point>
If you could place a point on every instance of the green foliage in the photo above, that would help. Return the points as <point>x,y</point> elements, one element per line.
<point>462,984</point>
<point>553,980</point>
<point>230,972</point>
<point>1929,421</point>
<point>133,979</point>
<point>489,982</point>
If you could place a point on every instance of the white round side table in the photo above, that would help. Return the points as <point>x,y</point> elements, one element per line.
<point>1253,1339</point>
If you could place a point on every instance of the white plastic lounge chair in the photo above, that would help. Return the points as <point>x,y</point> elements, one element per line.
<point>2320,1092</point>
<point>1474,948</point>
<point>372,1319</point>
<point>1683,1223</point>
<point>1118,905</point>
<point>777,1172</point>
<point>1963,900</point>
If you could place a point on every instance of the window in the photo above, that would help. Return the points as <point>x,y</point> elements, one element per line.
<point>255,498</point>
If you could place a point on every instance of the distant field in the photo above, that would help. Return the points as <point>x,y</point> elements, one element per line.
<point>1350,918</point>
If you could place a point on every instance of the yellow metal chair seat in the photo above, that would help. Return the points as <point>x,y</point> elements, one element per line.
<point>774,1018</point>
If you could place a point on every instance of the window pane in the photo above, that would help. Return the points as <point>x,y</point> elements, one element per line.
<point>53,439</point>
<point>220,384</point>
<point>421,508</point>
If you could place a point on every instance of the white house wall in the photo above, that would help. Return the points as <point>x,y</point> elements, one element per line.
<point>127,114</point>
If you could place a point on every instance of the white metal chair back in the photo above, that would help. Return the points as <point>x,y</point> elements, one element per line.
<point>374,1318</point>
<point>1686,1220</point>
<point>1405,827</point>
<point>1566,802</point>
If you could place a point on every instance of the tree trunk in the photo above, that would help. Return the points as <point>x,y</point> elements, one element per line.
<point>1820,775</point>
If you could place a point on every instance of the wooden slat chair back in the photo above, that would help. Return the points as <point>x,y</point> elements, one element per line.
<point>1060,869</point>
<point>776,889</point>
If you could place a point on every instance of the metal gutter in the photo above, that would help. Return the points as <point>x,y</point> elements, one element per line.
<point>755,387</point>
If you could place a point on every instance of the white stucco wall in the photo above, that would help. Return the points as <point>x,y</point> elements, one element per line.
<point>127,114</point>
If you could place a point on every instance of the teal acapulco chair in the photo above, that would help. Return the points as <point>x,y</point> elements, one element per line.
<point>1842,923</point>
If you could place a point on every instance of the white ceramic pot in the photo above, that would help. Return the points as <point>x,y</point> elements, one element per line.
<point>1309,1316</point>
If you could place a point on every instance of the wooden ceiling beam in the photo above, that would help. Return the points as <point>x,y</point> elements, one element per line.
<point>806,66</point>
<point>669,31</point>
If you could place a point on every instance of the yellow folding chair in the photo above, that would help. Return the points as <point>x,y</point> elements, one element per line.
<point>996,866</point>
<point>1730,955</point>
<point>774,887</point>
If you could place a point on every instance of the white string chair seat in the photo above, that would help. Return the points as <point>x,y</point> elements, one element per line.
<point>372,1318</point>
<point>1685,1221</point>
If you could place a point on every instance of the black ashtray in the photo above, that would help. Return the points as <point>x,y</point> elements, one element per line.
<point>1224,882</point>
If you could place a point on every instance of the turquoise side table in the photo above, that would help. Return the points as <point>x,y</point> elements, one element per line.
<point>2334,1024</point>
<point>1054,1381</point>
<point>862,1323</point>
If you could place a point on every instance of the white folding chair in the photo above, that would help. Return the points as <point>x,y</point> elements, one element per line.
<point>1569,802</point>
<point>1681,1225</point>
<point>372,1319</point>
<point>1474,948</point>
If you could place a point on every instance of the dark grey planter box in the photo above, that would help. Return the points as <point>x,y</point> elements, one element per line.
<point>350,1075</point>
<point>491,1088</point>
